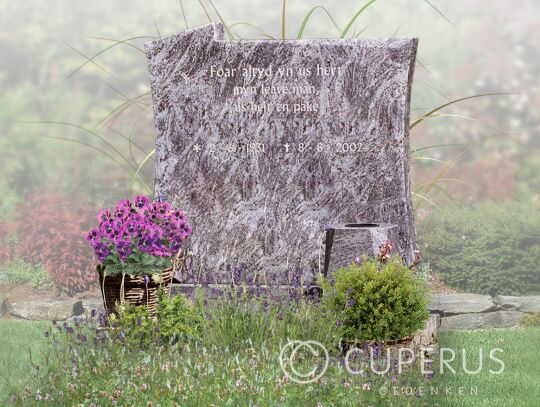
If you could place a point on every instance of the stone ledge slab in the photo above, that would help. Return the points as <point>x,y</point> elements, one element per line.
<point>497,319</point>
<point>455,304</point>
<point>3,306</point>
<point>43,310</point>
<point>524,304</point>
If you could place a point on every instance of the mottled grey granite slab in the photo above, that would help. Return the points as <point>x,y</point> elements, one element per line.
<point>266,211</point>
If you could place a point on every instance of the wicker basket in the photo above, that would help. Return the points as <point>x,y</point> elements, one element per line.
<point>117,289</point>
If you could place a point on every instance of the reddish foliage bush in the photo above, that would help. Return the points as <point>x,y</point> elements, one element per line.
<point>50,230</point>
<point>5,250</point>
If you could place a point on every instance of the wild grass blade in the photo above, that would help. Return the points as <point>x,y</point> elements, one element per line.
<point>89,60</point>
<point>452,102</point>
<point>439,12</point>
<point>423,198</point>
<point>92,147</point>
<point>227,30</point>
<point>148,156</point>
<point>127,138</point>
<point>432,87</point>
<point>260,30</point>
<point>119,109</point>
<point>431,184</point>
<point>437,146</point>
<point>459,181</point>
<point>205,11</point>
<point>308,16</point>
<point>183,13</point>
<point>92,133</point>
<point>353,19</point>
<point>429,159</point>
<point>157,30</point>
<point>118,42</point>
<point>437,115</point>
<point>360,32</point>
<point>283,14</point>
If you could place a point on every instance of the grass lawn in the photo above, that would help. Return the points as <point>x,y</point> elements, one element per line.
<point>517,386</point>
<point>17,339</point>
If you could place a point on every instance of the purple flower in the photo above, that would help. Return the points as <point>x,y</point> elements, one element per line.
<point>146,280</point>
<point>163,208</point>
<point>93,235</point>
<point>107,229</point>
<point>121,211</point>
<point>135,217</point>
<point>141,201</point>
<point>179,215</point>
<point>131,227</point>
<point>145,244</point>
<point>175,244</point>
<point>123,248</point>
<point>126,203</point>
<point>351,303</point>
<point>104,215</point>
<point>101,250</point>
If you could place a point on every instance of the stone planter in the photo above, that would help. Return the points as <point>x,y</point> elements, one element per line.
<point>419,342</point>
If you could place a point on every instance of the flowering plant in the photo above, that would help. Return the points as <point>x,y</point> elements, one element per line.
<point>138,237</point>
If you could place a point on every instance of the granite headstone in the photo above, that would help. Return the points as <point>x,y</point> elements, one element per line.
<point>265,143</point>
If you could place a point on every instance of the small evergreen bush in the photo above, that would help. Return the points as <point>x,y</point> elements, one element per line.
<point>378,300</point>
<point>177,318</point>
<point>488,248</point>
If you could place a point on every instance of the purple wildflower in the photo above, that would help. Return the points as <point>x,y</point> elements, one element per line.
<point>351,303</point>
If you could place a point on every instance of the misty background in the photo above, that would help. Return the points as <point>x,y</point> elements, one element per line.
<point>74,70</point>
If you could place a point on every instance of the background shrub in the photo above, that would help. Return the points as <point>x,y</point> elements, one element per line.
<point>531,320</point>
<point>486,248</point>
<point>379,301</point>
<point>49,230</point>
<point>20,273</point>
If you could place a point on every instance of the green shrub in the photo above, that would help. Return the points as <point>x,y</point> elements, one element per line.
<point>487,248</point>
<point>379,301</point>
<point>176,318</point>
<point>20,273</point>
<point>531,320</point>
